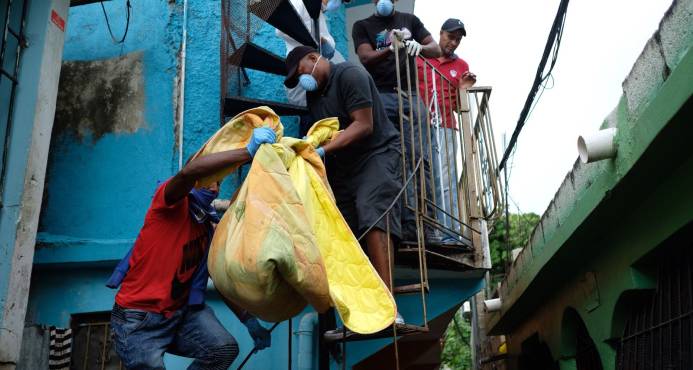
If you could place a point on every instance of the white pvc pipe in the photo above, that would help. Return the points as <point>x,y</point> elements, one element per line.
<point>306,333</point>
<point>181,125</point>
<point>492,305</point>
<point>597,146</point>
<point>466,310</point>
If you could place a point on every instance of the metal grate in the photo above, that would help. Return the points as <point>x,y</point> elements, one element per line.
<point>92,344</point>
<point>586,354</point>
<point>12,20</point>
<point>658,334</point>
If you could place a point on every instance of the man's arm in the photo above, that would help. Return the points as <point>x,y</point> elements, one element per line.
<point>261,336</point>
<point>181,184</point>
<point>430,48</point>
<point>368,55</point>
<point>361,127</point>
<point>467,80</point>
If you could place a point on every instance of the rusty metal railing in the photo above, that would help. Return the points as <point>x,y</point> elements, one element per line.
<point>448,164</point>
<point>449,182</point>
<point>454,148</point>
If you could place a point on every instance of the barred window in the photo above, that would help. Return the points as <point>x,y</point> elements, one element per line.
<point>658,332</point>
<point>12,41</point>
<point>92,343</point>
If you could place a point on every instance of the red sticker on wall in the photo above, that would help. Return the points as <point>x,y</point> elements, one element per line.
<point>58,20</point>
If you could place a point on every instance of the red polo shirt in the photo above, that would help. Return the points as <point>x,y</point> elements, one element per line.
<point>451,68</point>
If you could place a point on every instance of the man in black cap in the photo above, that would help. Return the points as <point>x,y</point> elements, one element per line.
<point>363,161</point>
<point>375,39</point>
<point>444,140</point>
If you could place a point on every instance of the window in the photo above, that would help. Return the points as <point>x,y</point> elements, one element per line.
<point>12,14</point>
<point>658,333</point>
<point>92,342</point>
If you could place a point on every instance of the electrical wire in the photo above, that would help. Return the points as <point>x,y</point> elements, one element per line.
<point>552,47</point>
<point>127,23</point>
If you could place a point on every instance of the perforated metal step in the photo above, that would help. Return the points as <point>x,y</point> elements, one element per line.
<point>314,7</point>
<point>286,19</point>
<point>255,57</point>
<point>402,330</point>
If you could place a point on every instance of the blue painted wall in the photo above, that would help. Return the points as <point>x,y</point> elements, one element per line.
<point>99,189</point>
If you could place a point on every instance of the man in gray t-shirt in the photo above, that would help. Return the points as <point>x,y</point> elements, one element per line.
<point>363,161</point>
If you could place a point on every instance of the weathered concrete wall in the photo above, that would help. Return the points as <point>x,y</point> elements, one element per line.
<point>35,348</point>
<point>609,214</point>
<point>26,167</point>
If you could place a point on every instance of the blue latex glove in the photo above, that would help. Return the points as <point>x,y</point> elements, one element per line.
<point>261,135</point>
<point>260,335</point>
<point>321,152</point>
<point>333,5</point>
<point>326,49</point>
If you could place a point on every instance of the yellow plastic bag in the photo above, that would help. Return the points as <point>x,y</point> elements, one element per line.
<point>283,240</point>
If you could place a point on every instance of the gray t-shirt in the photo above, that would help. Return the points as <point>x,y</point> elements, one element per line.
<point>350,87</point>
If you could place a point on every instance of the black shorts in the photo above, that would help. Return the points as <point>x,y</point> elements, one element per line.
<point>366,191</point>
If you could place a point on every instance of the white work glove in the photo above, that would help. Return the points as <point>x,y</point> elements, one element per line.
<point>396,39</point>
<point>413,47</point>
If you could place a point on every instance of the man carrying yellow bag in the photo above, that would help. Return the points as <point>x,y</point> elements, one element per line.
<point>362,161</point>
<point>160,305</point>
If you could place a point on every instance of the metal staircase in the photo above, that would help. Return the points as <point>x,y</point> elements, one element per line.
<point>478,188</point>
<point>239,53</point>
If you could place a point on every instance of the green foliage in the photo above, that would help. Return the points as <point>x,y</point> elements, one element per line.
<point>456,351</point>
<point>457,354</point>
<point>521,227</point>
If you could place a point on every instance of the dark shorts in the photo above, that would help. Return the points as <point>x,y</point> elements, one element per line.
<point>366,191</point>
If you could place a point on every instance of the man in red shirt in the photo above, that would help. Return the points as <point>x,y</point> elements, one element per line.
<point>160,305</point>
<point>441,95</point>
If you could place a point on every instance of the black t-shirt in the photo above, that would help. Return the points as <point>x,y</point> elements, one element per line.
<point>350,88</point>
<point>375,31</point>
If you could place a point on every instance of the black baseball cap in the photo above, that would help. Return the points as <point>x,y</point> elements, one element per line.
<point>292,61</point>
<point>452,25</point>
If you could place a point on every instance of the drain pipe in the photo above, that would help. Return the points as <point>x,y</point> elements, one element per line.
<point>306,336</point>
<point>597,146</point>
<point>493,305</point>
<point>181,111</point>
